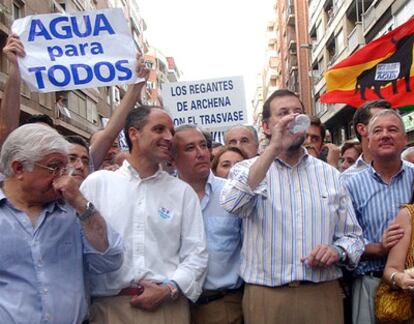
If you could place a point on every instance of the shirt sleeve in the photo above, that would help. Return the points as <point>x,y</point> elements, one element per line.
<point>111,259</point>
<point>107,261</point>
<point>348,233</point>
<point>237,197</point>
<point>191,271</point>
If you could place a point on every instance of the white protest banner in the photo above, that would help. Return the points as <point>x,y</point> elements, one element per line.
<point>80,50</point>
<point>211,104</point>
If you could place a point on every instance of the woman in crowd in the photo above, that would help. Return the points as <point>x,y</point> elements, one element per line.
<point>225,159</point>
<point>394,270</point>
<point>350,152</point>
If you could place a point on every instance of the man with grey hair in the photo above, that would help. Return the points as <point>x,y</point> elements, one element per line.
<point>51,236</point>
<point>360,121</point>
<point>220,301</point>
<point>377,194</point>
<point>243,137</point>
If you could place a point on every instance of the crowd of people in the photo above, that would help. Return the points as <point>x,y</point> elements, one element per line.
<point>181,229</point>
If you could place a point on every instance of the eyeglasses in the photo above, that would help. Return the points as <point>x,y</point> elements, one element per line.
<point>54,169</point>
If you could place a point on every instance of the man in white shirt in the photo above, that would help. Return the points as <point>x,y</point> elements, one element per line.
<point>159,218</point>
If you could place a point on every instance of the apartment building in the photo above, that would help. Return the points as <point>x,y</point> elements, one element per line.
<point>287,62</point>
<point>307,37</point>
<point>81,111</point>
<point>163,70</point>
<point>337,29</point>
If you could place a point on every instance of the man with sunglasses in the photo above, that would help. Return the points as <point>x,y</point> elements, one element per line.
<point>51,237</point>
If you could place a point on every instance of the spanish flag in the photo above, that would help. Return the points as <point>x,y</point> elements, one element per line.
<point>383,69</point>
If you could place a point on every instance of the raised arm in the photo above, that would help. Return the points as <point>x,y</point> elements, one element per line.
<point>279,142</point>
<point>10,103</point>
<point>104,140</point>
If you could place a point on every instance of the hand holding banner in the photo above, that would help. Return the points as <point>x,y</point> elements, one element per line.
<point>80,50</point>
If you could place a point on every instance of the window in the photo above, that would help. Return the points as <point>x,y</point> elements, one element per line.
<point>340,41</point>
<point>331,49</point>
<point>320,31</point>
<point>17,9</point>
<point>46,100</point>
<point>92,112</point>
<point>77,103</point>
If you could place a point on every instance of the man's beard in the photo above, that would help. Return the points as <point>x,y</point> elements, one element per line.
<point>297,144</point>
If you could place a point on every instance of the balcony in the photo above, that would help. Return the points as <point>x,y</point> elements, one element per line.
<point>293,64</point>
<point>369,17</point>
<point>292,47</point>
<point>274,62</point>
<point>273,74</point>
<point>355,38</point>
<point>271,42</point>
<point>293,81</point>
<point>290,16</point>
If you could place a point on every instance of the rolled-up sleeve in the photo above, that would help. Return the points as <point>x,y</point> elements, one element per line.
<point>107,261</point>
<point>236,196</point>
<point>348,233</point>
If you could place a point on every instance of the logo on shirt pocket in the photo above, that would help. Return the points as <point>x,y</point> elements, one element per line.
<point>164,213</point>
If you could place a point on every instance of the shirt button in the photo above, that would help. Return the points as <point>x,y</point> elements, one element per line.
<point>45,291</point>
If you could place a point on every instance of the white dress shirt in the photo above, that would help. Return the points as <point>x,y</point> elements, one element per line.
<point>160,221</point>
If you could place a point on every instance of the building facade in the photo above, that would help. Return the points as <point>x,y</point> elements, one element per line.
<point>337,29</point>
<point>82,111</point>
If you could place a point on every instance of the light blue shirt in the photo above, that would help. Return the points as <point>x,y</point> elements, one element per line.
<point>354,169</point>
<point>43,267</point>
<point>377,203</point>
<point>224,239</point>
<point>292,211</point>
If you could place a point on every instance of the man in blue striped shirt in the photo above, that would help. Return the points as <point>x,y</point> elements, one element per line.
<point>377,194</point>
<point>360,120</point>
<point>298,224</point>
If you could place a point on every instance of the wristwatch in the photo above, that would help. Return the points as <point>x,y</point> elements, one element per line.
<point>90,209</point>
<point>341,252</point>
<point>172,286</point>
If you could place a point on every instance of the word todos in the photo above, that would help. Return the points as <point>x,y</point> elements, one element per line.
<point>74,28</point>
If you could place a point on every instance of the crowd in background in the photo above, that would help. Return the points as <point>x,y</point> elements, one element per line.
<point>181,229</point>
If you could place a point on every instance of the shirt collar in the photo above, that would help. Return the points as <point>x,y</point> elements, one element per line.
<point>210,182</point>
<point>130,171</point>
<point>377,176</point>
<point>50,207</point>
<point>3,197</point>
<point>302,159</point>
<point>361,162</point>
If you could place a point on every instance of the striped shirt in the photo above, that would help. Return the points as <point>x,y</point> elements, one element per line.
<point>377,203</point>
<point>358,166</point>
<point>290,212</point>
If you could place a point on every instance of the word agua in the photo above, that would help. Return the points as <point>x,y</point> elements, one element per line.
<point>64,27</point>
